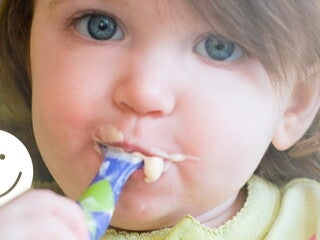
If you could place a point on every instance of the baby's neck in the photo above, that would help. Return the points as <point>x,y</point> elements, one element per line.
<point>225,211</point>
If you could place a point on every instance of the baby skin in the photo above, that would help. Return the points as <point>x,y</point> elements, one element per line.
<point>185,112</point>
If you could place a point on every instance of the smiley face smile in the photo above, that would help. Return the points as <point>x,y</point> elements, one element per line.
<point>12,187</point>
<point>16,169</point>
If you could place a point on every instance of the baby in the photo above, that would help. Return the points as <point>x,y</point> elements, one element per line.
<point>230,87</point>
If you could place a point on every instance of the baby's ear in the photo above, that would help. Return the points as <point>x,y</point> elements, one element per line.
<point>298,116</point>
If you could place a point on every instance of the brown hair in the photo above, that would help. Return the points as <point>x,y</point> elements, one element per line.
<point>15,84</point>
<point>283,35</point>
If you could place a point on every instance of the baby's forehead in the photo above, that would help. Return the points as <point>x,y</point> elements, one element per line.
<point>181,8</point>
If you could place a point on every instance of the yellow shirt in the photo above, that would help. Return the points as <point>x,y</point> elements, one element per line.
<point>269,213</point>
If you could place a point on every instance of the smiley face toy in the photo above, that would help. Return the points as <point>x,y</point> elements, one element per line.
<point>16,171</point>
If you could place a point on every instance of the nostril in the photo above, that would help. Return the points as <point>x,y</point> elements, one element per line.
<point>126,107</point>
<point>2,156</point>
<point>143,99</point>
<point>141,110</point>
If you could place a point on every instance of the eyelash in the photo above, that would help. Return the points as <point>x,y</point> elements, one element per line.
<point>216,48</point>
<point>215,42</point>
<point>71,22</point>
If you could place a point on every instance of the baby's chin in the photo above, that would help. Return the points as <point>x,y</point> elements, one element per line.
<point>144,220</point>
<point>145,211</point>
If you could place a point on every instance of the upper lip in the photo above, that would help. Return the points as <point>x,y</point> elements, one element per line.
<point>126,146</point>
<point>131,148</point>
<point>108,135</point>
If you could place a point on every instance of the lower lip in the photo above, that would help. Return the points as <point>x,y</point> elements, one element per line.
<point>138,175</point>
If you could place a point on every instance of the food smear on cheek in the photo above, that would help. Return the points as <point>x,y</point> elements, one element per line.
<point>110,133</point>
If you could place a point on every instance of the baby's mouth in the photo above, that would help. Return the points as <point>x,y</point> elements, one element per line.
<point>155,161</point>
<point>153,166</point>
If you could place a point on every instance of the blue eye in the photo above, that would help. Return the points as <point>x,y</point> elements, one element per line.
<point>219,49</point>
<point>99,27</point>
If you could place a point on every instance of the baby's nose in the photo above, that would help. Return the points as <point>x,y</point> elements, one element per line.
<point>146,88</point>
<point>143,99</point>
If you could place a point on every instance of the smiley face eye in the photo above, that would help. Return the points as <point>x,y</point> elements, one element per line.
<point>2,156</point>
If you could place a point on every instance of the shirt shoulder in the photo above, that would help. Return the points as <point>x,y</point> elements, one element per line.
<point>299,212</point>
<point>302,184</point>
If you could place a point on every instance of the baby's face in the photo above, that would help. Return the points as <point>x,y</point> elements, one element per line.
<point>155,72</point>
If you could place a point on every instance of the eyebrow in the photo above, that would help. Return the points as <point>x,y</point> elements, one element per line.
<point>53,3</point>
